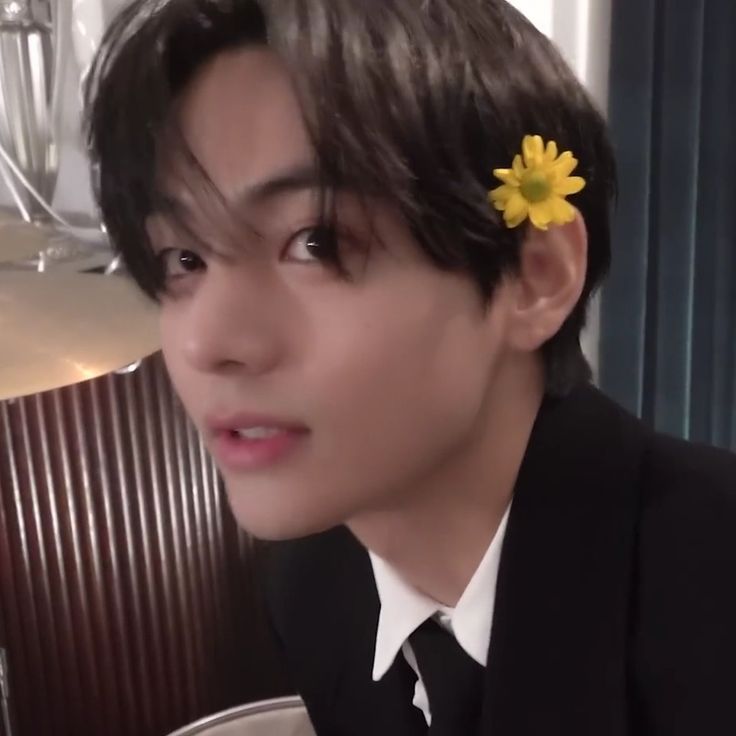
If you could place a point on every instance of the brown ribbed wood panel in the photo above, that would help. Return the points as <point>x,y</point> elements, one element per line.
<point>127,594</point>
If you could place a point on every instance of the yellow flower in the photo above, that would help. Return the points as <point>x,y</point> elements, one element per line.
<point>536,186</point>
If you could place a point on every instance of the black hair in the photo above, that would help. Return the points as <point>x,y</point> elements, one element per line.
<point>440,92</point>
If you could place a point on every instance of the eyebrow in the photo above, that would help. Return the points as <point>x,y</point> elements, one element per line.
<point>297,178</point>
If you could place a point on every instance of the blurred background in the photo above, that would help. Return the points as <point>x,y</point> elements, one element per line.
<point>128,599</point>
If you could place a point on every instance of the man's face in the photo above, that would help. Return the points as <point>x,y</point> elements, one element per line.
<point>350,394</point>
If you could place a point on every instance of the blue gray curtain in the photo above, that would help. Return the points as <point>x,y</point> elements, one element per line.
<point>668,321</point>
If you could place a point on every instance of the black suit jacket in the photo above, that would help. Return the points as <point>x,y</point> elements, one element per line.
<point>616,599</point>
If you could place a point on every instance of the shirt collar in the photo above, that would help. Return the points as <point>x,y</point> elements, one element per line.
<point>403,608</point>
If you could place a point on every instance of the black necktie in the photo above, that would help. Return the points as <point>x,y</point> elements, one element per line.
<point>452,678</point>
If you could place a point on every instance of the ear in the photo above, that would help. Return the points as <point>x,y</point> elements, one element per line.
<point>550,281</point>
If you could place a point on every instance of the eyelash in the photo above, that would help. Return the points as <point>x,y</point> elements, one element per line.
<point>328,255</point>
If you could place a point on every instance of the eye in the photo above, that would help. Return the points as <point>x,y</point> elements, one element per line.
<point>177,262</point>
<point>313,245</point>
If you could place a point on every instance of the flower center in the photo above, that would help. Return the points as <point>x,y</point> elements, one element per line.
<point>535,186</point>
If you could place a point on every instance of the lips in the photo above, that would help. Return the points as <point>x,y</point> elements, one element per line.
<point>249,442</point>
<point>246,421</point>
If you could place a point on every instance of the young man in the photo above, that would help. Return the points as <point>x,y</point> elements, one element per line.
<point>373,251</point>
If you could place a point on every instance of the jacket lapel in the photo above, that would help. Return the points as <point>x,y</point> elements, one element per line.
<point>557,658</point>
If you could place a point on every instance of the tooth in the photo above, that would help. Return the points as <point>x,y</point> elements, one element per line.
<point>257,433</point>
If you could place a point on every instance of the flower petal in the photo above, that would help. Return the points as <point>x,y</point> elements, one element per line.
<point>541,215</point>
<point>518,167</point>
<point>516,207</point>
<point>562,211</point>
<point>570,185</point>
<point>515,221</point>
<point>501,195</point>
<point>533,148</point>
<point>564,166</point>
<point>551,153</point>
<point>507,176</point>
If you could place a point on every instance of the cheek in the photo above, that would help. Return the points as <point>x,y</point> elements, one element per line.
<point>181,378</point>
<point>400,393</point>
<point>393,368</point>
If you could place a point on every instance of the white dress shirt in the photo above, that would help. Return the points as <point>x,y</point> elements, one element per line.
<point>403,609</point>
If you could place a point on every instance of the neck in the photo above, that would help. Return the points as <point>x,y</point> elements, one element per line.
<point>437,534</point>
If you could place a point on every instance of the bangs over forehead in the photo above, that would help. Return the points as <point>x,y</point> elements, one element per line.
<point>139,155</point>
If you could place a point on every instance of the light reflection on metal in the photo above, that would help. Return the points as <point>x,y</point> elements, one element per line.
<point>132,368</point>
<point>30,77</point>
<point>58,325</point>
<point>5,694</point>
<point>63,328</point>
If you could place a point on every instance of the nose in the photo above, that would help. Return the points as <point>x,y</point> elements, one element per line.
<point>232,321</point>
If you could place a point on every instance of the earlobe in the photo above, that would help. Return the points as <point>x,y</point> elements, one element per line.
<point>549,283</point>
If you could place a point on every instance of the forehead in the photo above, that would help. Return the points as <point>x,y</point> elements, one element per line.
<point>241,119</point>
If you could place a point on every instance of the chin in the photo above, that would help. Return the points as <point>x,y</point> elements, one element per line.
<point>274,522</point>
<point>279,529</point>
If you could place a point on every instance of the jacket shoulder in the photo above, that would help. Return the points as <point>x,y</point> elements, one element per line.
<point>684,630</point>
<point>322,607</point>
<point>686,468</point>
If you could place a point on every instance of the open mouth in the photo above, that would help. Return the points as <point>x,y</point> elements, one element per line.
<point>256,448</point>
